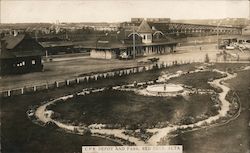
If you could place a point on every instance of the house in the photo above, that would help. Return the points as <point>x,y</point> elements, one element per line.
<point>20,54</point>
<point>148,41</point>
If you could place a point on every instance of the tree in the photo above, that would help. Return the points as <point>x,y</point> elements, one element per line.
<point>207,58</point>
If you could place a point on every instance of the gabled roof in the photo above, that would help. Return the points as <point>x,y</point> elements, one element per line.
<point>13,41</point>
<point>144,27</point>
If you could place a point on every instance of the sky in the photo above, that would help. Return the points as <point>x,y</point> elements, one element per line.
<point>20,11</point>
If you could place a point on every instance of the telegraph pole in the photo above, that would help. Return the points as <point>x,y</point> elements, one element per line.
<point>218,35</point>
<point>249,10</point>
<point>133,41</point>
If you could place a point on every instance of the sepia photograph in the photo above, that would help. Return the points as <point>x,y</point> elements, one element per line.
<point>125,76</point>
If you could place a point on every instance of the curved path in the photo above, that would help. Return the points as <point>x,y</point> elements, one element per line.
<point>160,133</point>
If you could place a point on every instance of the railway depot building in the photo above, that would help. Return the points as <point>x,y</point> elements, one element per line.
<point>147,41</point>
<point>20,54</point>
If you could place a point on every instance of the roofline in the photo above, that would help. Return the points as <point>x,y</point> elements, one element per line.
<point>137,45</point>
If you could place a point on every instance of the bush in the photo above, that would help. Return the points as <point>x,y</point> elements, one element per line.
<point>207,60</point>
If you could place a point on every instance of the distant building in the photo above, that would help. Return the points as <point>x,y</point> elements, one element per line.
<point>148,41</point>
<point>181,30</point>
<point>20,54</point>
<point>154,20</point>
<point>137,20</point>
<point>246,30</point>
<point>158,20</point>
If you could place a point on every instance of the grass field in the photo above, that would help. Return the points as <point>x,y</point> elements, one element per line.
<point>198,80</point>
<point>128,108</point>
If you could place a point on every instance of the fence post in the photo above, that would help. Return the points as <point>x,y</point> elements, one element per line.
<point>8,93</point>
<point>77,80</point>
<point>34,88</point>
<point>57,84</point>
<point>21,90</point>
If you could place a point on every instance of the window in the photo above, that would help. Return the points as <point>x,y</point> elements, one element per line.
<point>149,36</point>
<point>33,62</point>
<point>21,64</point>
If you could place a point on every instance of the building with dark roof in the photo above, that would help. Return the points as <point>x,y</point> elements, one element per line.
<point>58,47</point>
<point>20,54</point>
<point>148,41</point>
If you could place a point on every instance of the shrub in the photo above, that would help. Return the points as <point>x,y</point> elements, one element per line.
<point>207,58</point>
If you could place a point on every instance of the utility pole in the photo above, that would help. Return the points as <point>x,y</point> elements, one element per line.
<point>133,41</point>
<point>218,35</point>
<point>249,10</point>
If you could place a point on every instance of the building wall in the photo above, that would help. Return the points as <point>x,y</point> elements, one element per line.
<point>146,38</point>
<point>151,50</point>
<point>140,51</point>
<point>102,54</point>
<point>21,65</point>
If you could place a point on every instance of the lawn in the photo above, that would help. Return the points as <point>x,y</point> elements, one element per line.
<point>130,109</point>
<point>198,80</point>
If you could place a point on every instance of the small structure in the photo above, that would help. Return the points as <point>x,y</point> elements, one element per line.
<point>20,54</point>
<point>165,89</point>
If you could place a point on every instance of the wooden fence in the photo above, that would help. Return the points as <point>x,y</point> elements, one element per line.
<point>92,77</point>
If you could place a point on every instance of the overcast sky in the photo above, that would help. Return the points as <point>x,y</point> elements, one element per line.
<point>118,10</point>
